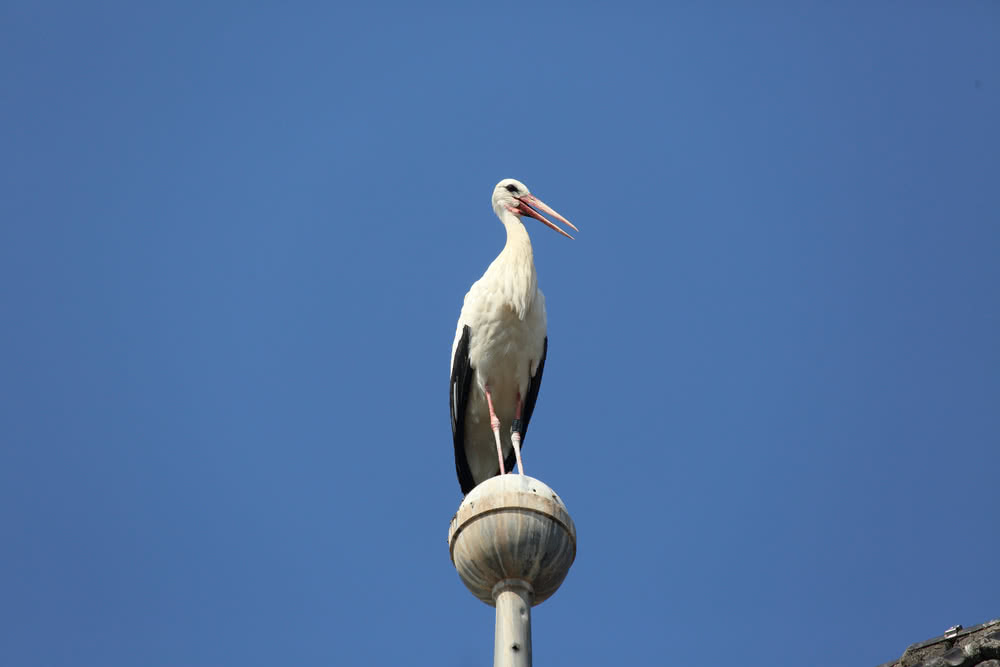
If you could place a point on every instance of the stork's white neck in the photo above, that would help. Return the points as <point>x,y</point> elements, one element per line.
<point>518,244</point>
<point>514,267</point>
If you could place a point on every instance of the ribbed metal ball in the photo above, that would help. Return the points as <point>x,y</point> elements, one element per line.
<point>512,527</point>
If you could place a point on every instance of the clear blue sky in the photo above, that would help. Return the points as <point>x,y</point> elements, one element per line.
<point>235,238</point>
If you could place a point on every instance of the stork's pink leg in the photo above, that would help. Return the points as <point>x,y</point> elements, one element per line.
<point>515,435</point>
<point>495,425</point>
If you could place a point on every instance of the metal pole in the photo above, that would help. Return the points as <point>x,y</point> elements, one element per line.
<point>512,643</point>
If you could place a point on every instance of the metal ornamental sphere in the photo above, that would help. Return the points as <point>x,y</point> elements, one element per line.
<point>512,527</point>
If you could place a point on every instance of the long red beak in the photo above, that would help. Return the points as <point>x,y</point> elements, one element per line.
<point>532,206</point>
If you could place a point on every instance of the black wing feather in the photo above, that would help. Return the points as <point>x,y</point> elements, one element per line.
<point>461,382</point>
<point>529,404</point>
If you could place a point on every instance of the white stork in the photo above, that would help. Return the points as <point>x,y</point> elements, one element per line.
<point>499,349</point>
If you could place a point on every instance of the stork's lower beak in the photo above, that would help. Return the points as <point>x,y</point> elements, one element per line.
<point>532,206</point>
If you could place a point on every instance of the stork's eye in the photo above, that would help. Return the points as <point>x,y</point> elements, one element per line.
<point>512,188</point>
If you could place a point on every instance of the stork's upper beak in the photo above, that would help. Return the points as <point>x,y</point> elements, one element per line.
<point>532,206</point>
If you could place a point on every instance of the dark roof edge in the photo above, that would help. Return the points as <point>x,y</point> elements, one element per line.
<point>947,637</point>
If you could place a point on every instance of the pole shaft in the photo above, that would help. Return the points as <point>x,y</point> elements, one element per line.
<point>512,643</point>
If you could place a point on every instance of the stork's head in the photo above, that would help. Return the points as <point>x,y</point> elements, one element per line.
<point>512,195</point>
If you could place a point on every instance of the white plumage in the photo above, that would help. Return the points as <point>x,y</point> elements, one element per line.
<point>500,346</point>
